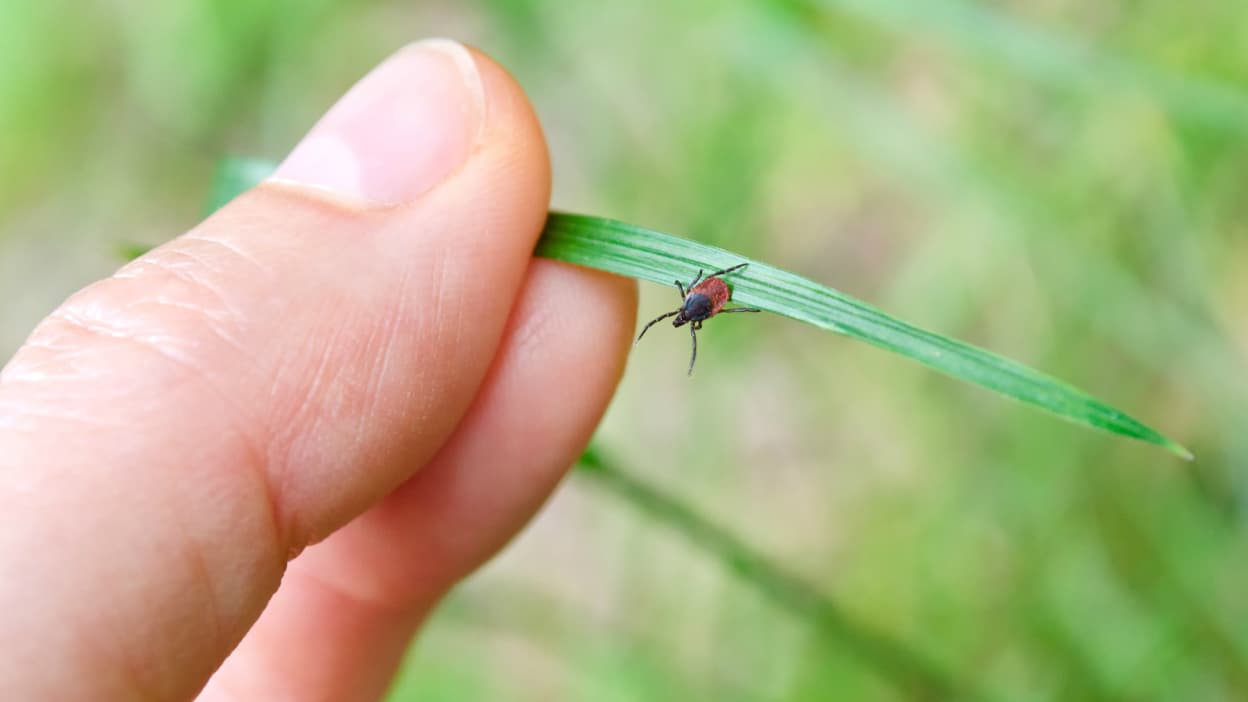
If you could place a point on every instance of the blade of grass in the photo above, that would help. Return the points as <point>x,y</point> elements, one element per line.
<point>636,252</point>
<point>895,661</point>
<point>234,176</point>
<point>640,253</point>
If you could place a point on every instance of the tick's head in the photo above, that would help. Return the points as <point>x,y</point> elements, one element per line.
<point>696,308</point>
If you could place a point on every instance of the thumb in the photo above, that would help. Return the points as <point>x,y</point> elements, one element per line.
<point>173,433</point>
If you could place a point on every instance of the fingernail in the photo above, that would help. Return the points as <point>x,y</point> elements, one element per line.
<point>404,128</point>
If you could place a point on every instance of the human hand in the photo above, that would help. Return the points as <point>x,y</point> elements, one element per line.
<point>360,354</point>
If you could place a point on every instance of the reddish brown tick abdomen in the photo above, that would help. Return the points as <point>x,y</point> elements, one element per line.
<point>717,290</point>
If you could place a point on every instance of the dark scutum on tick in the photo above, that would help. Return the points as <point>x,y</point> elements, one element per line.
<point>698,303</point>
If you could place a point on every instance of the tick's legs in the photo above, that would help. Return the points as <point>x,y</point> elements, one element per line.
<point>654,321</point>
<point>681,288</point>
<point>740,309</point>
<point>696,279</point>
<point>693,335</point>
<point>726,271</point>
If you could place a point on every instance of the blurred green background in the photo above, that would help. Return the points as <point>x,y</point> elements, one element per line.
<point>1062,182</point>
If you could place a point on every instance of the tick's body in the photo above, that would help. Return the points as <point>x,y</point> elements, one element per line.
<point>705,300</point>
<point>699,303</point>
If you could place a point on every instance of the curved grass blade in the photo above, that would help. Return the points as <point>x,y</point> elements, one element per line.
<point>636,252</point>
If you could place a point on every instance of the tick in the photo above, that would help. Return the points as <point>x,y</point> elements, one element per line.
<point>701,301</point>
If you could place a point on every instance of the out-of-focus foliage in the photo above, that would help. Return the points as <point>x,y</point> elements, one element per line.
<point>1059,181</point>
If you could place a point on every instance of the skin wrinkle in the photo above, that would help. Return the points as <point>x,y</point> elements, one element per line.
<point>35,368</point>
<point>331,340</point>
<point>94,327</point>
<point>217,328</point>
<point>27,411</point>
<point>296,419</point>
<point>318,405</point>
<point>299,422</point>
<point>126,665</point>
<point>382,337</point>
<point>239,252</point>
<point>299,415</point>
<point>268,512</point>
<point>387,335</point>
<point>164,261</point>
<point>272,510</point>
<point>424,410</point>
<point>137,688</point>
<point>173,303</point>
<point>132,662</point>
<point>219,319</point>
<point>452,317</point>
<point>284,548</point>
<point>206,260</point>
<point>48,344</point>
<point>84,318</point>
<point>244,441</point>
<point>388,328</point>
<point>432,307</point>
<point>434,267</point>
<point>209,585</point>
<point>243,418</point>
<point>531,334</point>
<point>203,574</point>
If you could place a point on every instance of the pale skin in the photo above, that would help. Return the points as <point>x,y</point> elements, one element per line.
<point>247,466</point>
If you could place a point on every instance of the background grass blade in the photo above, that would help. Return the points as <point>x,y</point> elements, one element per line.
<point>897,662</point>
<point>234,176</point>
<point>641,253</point>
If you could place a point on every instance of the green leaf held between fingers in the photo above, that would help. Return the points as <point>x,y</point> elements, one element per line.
<point>640,253</point>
